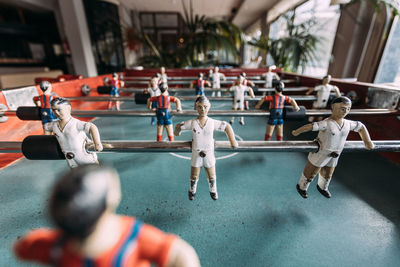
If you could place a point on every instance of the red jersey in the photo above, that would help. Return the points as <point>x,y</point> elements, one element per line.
<point>45,99</point>
<point>139,245</point>
<point>199,83</point>
<point>115,83</point>
<point>244,82</point>
<point>163,101</point>
<point>277,101</point>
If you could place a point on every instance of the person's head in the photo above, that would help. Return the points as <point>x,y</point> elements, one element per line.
<point>115,75</point>
<point>81,196</point>
<point>163,87</point>
<point>216,69</point>
<point>326,79</point>
<point>61,107</point>
<point>202,105</point>
<point>341,106</point>
<point>162,69</point>
<point>271,68</point>
<point>200,76</point>
<point>45,86</point>
<point>279,87</point>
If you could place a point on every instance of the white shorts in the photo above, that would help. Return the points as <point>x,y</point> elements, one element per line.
<point>208,161</point>
<point>321,104</point>
<point>238,105</point>
<point>82,158</point>
<point>322,158</point>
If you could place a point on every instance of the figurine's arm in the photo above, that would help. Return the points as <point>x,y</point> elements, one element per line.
<point>181,254</point>
<point>364,134</point>
<point>251,83</point>
<point>294,104</point>
<point>231,136</point>
<point>178,104</point>
<point>251,93</point>
<point>191,85</point>
<point>337,92</point>
<point>303,129</point>
<point>259,104</point>
<point>277,76</point>
<point>208,83</point>
<point>36,100</point>
<point>310,90</point>
<point>94,132</point>
<point>178,128</point>
<point>223,76</point>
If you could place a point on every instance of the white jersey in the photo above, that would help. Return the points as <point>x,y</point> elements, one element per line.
<point>154,92</point>
<point>323,92</point>
<point>332,136</point>
<point>203,137</point>
<point>238,93</point>
<point>72,140</point>
<point>164,78</point>
<point>216,79</point>
<point>269,77</point>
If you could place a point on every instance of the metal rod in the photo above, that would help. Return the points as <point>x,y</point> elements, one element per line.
<point>211,113</point>
<point>188,82</point>
<point>183,98</point>
<point>222,146</point>
<point>192,78</point>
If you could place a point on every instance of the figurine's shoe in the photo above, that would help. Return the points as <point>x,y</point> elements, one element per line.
<point>214,195</point>
<point>325,193</point>
<point>303,193</point>
<point>241,122</point>
<point>231,122</point>
<point>191,195</point>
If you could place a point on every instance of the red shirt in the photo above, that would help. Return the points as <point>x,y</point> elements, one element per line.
<point>277,101</point>
<point>139,245</point>
<point>45,99</point>
<point>199,83</point>
<point>164,101</point>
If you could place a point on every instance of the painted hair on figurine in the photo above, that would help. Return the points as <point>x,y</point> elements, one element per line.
<point>60,101</point>
<point>44,85</point>
<point>341,99</point>
<point>79,198</point>
<point>200,75</point>
<point>163,87</point>
<point>279,87</point>
<point>201,99</point>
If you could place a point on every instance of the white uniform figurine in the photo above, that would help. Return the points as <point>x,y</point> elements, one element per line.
<point>203,129</point>
<point>216,82</point>
<point>238,99</point>
<point>323,92</point>
<point>270,76</point>
<point>163,76</point>
<point>332,136</point>
<point>72,134</point>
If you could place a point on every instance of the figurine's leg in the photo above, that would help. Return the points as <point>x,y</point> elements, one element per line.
<point>324,178</point>
<point>306,178</point>
<point>118,104</point>
<point>212,182</point>
<point>219,93</point>
<point>279,132</point>
<point>269,131</point>
<point>110,104</point>
<point>194,178</point>
<point>170,132</point>
<point>160,129</point>
<point>232,118</point>
<point>213,92</point>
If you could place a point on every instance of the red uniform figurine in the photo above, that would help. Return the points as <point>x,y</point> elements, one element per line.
<point>43,101</point>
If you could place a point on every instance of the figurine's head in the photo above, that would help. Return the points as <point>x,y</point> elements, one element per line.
<point>163,87</point>
<point>44,86</point>
<point>341,106</point>
<point>200,76</point>
<point>326,79</point>
<point>210,71</point>
<point>243,74</point>
<point>279,86</point>
<point>202,105</point>
<point>82,196</point>
<point>271,68</point>
<point>216,69</point>
<point>61,107</point>
<point>115,75</point>
<point>158,75</point>
<point>162,69</point>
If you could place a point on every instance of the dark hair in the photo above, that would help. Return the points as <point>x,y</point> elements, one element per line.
<point>279,86</point>
<point>326,77</point>
<point>79,199</point>
<point>44,85</point>
<point>243,74</point>
<point>201,99</point>
<point>163,87</point>
<point>60,101</point>
<point>115,74</point>
<point>200,75</point>
<point>341,99</point>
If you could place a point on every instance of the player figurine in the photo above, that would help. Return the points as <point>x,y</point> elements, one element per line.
<point>72,134</point>
<point>323,92</point>
<point>203,129</point>
<point>163,76</point>
<point>115,84</point>
<point>82,206</point>
<point>270,76</point>
<point>332,135</point>
<point>163,111</point>
<point>199,84</point>
<point>43,101</point>
<point>238,99</point>
<point>241,80</point>
<point>277,102</point>
<point>216,82</point>
<point>153,90</point>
